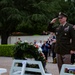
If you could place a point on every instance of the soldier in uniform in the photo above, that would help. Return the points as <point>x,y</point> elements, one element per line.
<point>64,33</point>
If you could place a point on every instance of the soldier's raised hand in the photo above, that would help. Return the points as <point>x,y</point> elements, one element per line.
<point>53,20</point>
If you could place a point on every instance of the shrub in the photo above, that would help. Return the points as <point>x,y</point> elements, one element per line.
<point>6,50</point>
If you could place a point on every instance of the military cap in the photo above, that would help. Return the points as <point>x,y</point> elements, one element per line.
<point>62,15</point>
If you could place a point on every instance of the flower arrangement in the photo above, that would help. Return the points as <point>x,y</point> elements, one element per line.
<point>24,50</point>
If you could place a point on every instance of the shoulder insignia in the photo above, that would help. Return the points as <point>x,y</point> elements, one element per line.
<point>66,29</point>
<point>74,27</point>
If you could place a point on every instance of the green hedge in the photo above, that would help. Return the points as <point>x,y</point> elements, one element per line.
<point>6,50</point>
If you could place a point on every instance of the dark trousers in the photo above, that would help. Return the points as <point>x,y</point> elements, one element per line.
<point>49,52</point>
<point>46,54</point>
<point>53,53</point>
<point>73,58</point>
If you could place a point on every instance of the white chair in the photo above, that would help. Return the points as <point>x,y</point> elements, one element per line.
<point>66,66</point>
<point>17,70</point>
<point>3,70</point>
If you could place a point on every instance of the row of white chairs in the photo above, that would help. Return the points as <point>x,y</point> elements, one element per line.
<point>21,70</point>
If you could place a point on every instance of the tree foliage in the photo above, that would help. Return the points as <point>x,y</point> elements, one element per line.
<point>31,16</point>
<point>39,13</point>
<point>9,18</point>
<point>35,15</point>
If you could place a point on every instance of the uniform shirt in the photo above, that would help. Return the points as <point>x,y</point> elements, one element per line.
<point>63,36</point>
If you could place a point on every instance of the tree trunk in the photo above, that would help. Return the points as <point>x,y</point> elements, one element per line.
<point>4,38</point>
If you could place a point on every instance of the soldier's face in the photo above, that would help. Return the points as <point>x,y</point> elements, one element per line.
<point>62,20</point>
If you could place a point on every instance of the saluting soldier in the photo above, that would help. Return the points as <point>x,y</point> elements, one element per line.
<point>65,39</point>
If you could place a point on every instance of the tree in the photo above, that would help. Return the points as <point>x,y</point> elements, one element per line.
<point>9,18</point>
<point>35,15</point>
<point>31,16</point>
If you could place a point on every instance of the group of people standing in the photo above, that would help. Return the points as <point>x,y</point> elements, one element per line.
<point>47,46</point>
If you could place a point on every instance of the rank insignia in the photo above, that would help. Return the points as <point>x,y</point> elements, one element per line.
<point>66,29</point>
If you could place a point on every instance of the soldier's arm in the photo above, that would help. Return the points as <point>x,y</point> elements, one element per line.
<point>50,28</point>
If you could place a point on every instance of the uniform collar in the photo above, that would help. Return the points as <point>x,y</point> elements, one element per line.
<point>64,24</point>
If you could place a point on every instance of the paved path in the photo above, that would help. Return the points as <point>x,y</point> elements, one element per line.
<point>6,62</point>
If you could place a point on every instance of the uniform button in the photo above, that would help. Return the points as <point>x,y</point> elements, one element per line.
<point>65,34</point>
